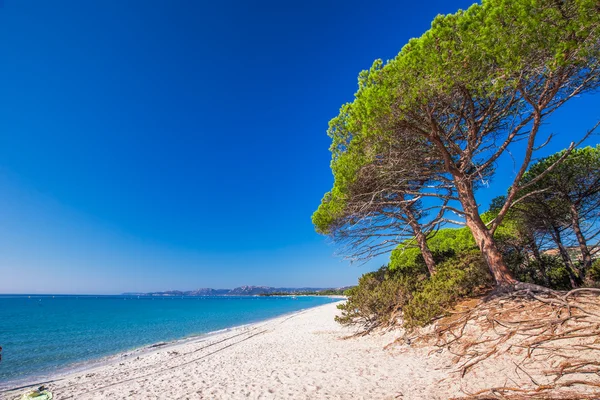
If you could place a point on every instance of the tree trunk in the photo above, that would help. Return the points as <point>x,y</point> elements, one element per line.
<point>537,256</point>
<point>586,257</point>
<point>573,278</point>
<point>422,242</point>
<point>534,247</point>
<point>483,237</point>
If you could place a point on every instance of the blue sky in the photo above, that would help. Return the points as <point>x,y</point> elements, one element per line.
<point>154,145</point>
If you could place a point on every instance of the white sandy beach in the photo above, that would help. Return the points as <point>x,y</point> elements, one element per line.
<point>301,356</point>
<point>306,355</point>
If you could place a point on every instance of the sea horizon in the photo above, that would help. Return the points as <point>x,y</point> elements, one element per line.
<point>171,292</point>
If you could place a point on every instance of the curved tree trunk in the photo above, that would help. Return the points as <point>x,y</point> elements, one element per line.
<point>491,253</point>
<point>421,241</point>
<point>483,237</point>
<point>427,255</point>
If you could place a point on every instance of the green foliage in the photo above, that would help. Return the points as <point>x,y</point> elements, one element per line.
<point>443,244</point>
<point>375,301</point>
<point>407,261</point>
<point>380,296</point>
<point>331,208</point>
<point>594,272</point>
<point>554,189</point>
<point>516,235</point>
<point>577,172</point>
<point>458,277</point>
<point>549,271</point>
<point>405,289</point>
<point>496,205</point>
<point>488,48</point>
<point>558,275</point>
<point>488,63</point>
<point>480,69</point>
<point>452,240</point>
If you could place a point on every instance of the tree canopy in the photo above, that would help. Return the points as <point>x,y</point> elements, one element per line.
<point>458,97</point>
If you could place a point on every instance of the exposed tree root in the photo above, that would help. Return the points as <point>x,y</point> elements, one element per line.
<point>550,340</point>
<point>501,393</point>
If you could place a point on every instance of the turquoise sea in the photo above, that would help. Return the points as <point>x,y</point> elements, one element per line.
<point>42,334</point>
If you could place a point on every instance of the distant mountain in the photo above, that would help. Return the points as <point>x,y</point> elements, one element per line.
<point>255,290</point>
<point>238,291</point>
<point>207,292</point>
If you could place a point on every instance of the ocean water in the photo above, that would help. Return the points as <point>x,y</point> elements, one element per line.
<point>43,334</point>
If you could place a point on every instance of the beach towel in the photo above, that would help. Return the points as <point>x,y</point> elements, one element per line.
<point>37,395</point>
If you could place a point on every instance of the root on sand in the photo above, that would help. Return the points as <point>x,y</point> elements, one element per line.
<point>549,339</point>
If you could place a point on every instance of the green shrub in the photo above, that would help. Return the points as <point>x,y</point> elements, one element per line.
<point>549,271</point>
<point>556,272</point>
<point>444,244</point>
<point>594,272</point>
<point>405,287</point>
<point>382,295</point>
<point>459,277</point>
<point>407,261</point>
<point>377,299</point>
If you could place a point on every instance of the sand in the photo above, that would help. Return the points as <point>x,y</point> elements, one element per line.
<point>305,355</point>
<point>300,356</point>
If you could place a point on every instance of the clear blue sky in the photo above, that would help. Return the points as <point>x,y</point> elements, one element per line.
<point>154,145</point>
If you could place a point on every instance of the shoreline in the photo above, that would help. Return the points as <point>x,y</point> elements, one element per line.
<point>95,363</point>
<point>300,355</point>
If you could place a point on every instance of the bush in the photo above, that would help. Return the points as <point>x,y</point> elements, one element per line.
<point>549,271</point>
<point>381,296</point>
<point>405,286</point>
<point>557,273</point>
<point>594,272</point>
<point>375,301</point>
<point>444,244</point>
<point>463,276</point>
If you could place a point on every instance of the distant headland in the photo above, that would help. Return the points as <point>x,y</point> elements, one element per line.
<point>246,291</point>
